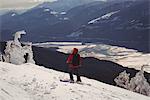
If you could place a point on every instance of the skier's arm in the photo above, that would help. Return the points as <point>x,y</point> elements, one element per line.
<point>69,59</point>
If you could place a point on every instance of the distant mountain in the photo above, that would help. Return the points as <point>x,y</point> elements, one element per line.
<point>33,21</point>
<point>126,24</point>
<point>120,23</point>
<point>126,21</point>
<point>4,11</point>
<point>82,14</point>
<point>64,5</point>
<point>42,22</point>
<point>121,0</point>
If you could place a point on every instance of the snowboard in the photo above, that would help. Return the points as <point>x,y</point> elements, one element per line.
<point>68,81</point>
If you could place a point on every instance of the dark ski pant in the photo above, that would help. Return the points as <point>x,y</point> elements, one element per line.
<point>76,72</point>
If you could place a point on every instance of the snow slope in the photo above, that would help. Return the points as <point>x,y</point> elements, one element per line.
<point>32,82</point>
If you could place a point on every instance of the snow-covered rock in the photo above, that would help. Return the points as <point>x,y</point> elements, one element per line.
<point>137,84</point>
<point>1,59</point>
<point>32,82</point>
<point>18,36</point>
<point>15,53</point>
<point>122,80</point>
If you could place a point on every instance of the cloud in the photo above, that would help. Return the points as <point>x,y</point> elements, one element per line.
<point>19,3</point>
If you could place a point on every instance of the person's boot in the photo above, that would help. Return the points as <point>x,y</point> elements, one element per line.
<point>71,81</point>
<point>78,79</point>
<point>71,78</point>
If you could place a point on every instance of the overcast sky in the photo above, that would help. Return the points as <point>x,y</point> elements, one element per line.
<point>19,3</point>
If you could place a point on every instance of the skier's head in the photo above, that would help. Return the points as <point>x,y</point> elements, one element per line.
<point>75,51</point>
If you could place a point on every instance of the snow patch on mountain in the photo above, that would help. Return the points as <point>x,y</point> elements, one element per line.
<point>54,12</point>
<point>63,13</point>
<point>57,44</point>
<point>106,16</point>
<point>46,10</point>
<point>13,14</point>
<point>32,82</point>
<point>75,34</point>
<point>65,18</point>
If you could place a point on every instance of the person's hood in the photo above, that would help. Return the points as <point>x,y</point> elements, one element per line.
<point>75,51</point>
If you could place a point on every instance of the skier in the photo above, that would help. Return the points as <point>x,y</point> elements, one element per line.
<point>74,62</point>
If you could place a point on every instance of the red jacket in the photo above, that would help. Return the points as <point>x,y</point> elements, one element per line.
<point>70,57</point>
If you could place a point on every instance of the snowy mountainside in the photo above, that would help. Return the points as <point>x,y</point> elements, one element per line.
<point>32,82</point>
<point>122,24</point>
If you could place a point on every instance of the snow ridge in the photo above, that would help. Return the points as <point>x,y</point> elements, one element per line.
<point>32,82</point>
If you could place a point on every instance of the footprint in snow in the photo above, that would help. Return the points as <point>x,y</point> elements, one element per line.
<point>53,85</point>
<point>82,91</point>
<point>54,78</point>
